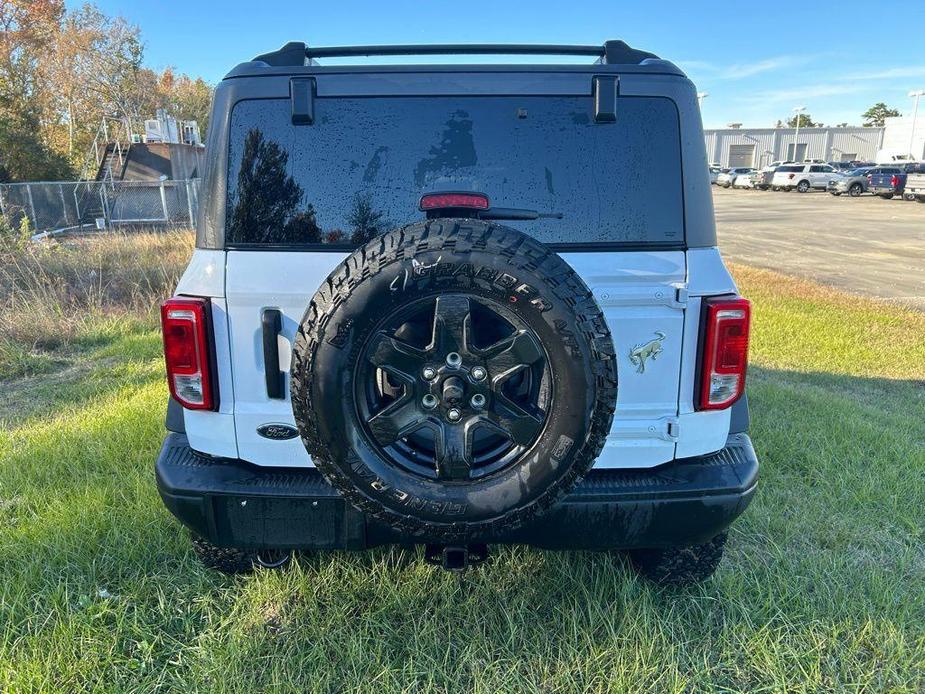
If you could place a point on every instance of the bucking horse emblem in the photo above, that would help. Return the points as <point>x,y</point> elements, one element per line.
<point>650,349</point>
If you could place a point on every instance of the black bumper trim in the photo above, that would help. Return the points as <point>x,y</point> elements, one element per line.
<point>234,504</point>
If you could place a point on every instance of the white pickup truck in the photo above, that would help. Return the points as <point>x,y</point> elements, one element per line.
<point>915,186</point>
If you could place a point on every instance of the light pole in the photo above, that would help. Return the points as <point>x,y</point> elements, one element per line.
<point>700,97</point>
<point>917,94</point>
<point>796,136</point>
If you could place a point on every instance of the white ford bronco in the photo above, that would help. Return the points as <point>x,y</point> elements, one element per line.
<point>455,306</point>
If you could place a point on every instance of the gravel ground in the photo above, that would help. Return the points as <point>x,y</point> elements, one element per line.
<point>864,245</point>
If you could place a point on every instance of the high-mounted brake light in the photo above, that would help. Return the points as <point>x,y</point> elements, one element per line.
<point>725,352</point>
<point>442,201</point>
<point>187,352</point>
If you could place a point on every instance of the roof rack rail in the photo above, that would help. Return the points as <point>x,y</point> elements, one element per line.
<point>297,53</point>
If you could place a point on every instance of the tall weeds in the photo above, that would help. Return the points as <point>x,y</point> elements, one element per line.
<point>54,294</point>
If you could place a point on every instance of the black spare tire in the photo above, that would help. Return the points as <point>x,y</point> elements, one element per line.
<point>453,378</point>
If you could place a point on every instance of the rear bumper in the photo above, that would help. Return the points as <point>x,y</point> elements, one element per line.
<point>235,504</point>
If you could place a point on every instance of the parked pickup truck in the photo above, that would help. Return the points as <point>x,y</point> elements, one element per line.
<point>887,181</point>
<point>915,186</point>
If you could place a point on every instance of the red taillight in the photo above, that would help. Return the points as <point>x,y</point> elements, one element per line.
<point>187,351</point>
<point>440,201</point>
<point>894,181</point>
<point>725,352</point>
<point>791,175</point>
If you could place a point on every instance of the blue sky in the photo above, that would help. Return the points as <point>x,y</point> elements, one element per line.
<point>757,60</point>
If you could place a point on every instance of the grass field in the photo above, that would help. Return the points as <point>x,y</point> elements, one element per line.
<point>822,588</point>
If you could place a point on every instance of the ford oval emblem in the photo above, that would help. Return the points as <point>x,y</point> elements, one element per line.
<point>277,432</point>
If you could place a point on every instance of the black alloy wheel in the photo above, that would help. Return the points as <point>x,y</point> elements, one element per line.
<point>453,388</point>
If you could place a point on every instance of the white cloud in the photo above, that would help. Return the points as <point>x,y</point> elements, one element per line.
<point>795,94</point>
<point>737,71</point>
<point>741,71</point>
<point>888,73</point>
<point>696,65</point>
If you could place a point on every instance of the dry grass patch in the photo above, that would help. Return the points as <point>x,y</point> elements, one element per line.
<point>59,293</point>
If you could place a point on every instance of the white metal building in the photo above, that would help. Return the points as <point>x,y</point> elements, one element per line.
<point>902,139</point>
<point>760,146</point>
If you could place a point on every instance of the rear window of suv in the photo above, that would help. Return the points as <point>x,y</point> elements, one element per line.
<point>361,168</point>
<point>789,169</point>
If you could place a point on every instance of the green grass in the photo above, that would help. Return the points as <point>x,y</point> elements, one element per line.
<point>822,588</point>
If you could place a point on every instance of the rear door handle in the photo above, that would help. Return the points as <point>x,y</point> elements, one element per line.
<point>272,323</point>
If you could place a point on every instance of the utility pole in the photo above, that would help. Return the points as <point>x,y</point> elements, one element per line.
<point>917,94</point>
<point>700,97</point>
<point>796,136</point>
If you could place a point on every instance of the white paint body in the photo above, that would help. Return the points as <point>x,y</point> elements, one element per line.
<point>818,176</point>
<point>642,294</point>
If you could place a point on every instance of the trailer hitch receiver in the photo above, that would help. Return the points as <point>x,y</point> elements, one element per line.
<point>455,557</point>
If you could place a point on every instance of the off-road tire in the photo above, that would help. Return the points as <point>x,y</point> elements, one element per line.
<point>226,560</point>
<point>229,560</point>
<point>344,311</point>
<point>680,566</point>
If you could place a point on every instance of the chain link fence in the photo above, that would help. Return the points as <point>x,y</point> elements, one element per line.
<point>58,206</point>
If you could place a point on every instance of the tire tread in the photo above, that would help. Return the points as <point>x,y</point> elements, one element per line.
<point>459,236</point>
<point>680,566</point>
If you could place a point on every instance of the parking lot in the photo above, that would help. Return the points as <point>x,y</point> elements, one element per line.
<point>864,245</point>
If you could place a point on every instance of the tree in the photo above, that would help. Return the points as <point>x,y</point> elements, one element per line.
<point>24,156</point>
<point>805,121</point>
<point>364,219</point>
<point>190,99</point>
<point>27,29</point>
<point>876,115</point>
<point>182,96</point>
<point>92,72</point>
<point>266,200</point>
<point>62,71</point>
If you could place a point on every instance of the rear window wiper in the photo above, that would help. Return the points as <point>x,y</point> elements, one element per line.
<point>515,213</point>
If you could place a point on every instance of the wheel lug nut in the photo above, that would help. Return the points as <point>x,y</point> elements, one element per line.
<point>429,373</point>
<point>477,401</point>
<point>478,373</point>
<point>453,360</point>
<point>429,401</point>
<point>454,415</point>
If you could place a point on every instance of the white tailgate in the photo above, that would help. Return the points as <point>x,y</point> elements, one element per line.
<point>257,280</point>
<point>643,296</point>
